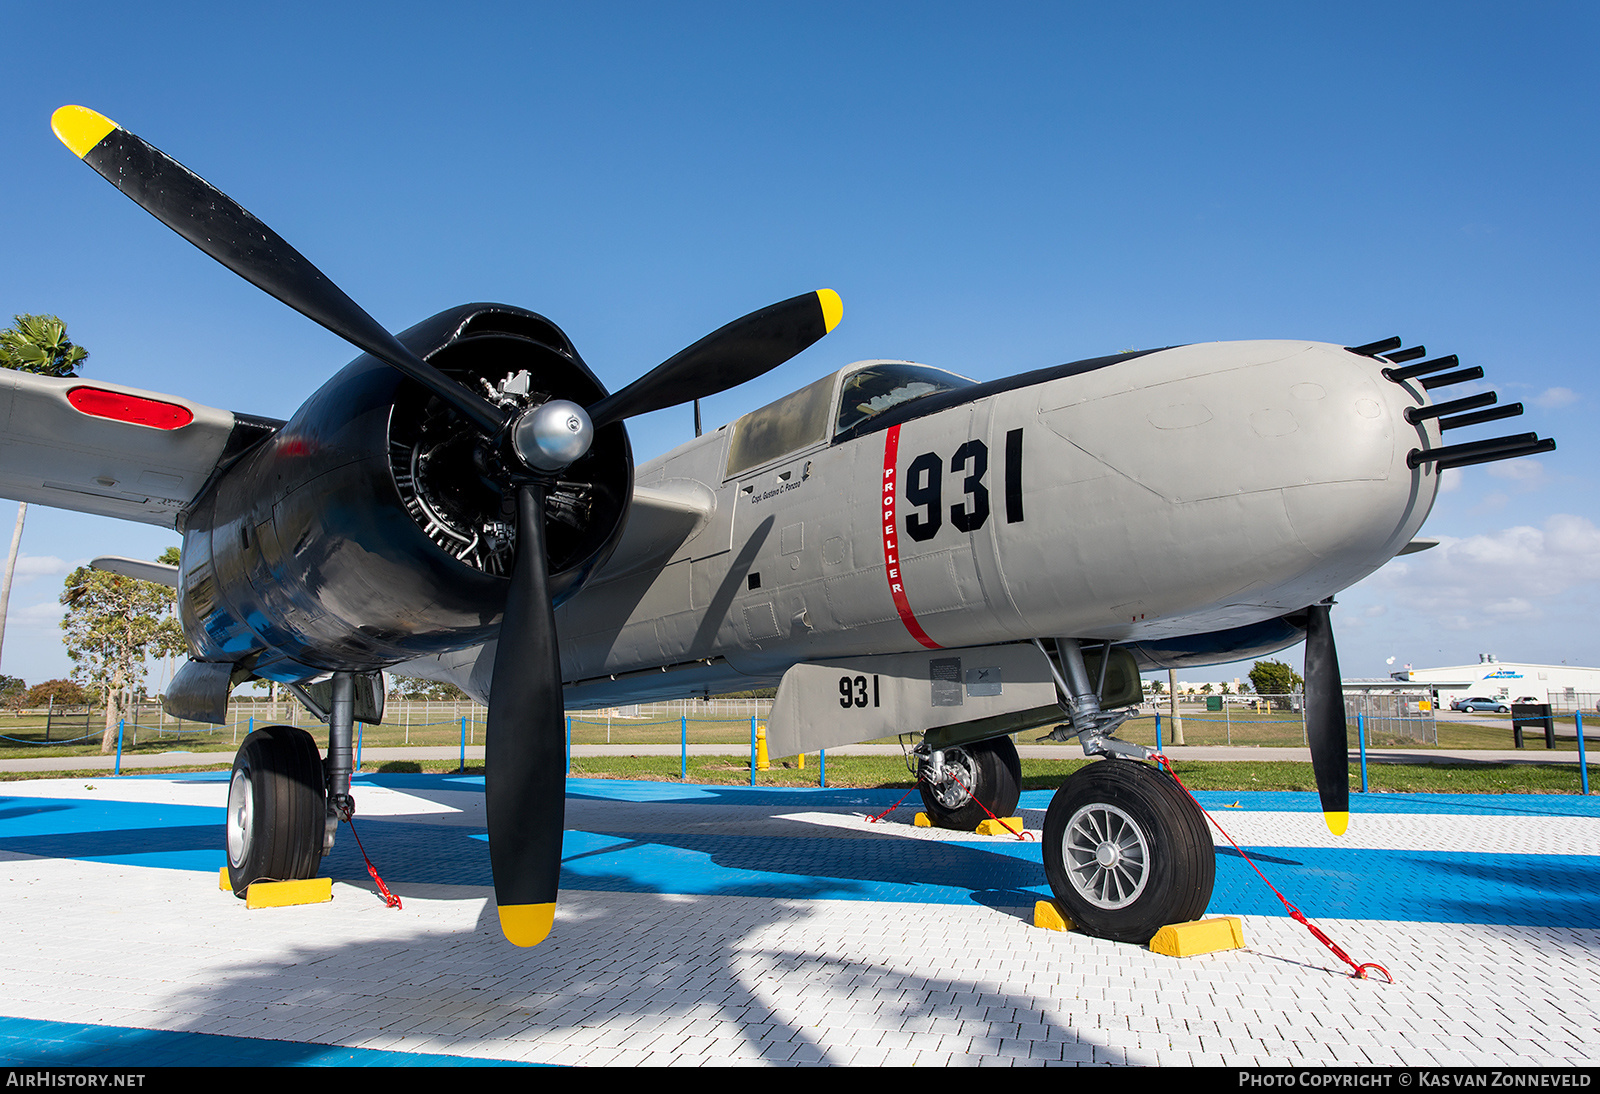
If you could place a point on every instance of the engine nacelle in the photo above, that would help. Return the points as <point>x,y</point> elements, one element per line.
<point>374,527</point>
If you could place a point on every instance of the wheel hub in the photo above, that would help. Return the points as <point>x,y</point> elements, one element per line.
<point>1106,856</point>
<point>241,814</point>
<point>957,780</point>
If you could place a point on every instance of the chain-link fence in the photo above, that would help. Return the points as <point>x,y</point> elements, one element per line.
<point>1568,702</point>
<point>406,723</point>
<point>1389,717</point>
<point>1279,721</point>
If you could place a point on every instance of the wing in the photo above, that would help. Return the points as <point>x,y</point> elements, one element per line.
<point>662,517</point>
<point>110,450</point>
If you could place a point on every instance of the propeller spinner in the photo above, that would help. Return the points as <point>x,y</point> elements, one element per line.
<point>525,766</point>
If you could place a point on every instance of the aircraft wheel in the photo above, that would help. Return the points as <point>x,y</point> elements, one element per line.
<point>992,772</point>
<point>275,808</point>
<point>1126,851</point>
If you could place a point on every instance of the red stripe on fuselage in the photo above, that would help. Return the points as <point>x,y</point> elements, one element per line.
<point>891,538</point>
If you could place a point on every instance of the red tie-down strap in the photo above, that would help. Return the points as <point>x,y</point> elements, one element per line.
<point>1001,820</point>
<point>1358,971</point>
<point>389,898</point>
<point>891,809</point>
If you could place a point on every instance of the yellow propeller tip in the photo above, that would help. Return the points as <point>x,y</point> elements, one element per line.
<point>1337,822</point>
<point>832,308</point>
<point>527,924</point>
<point>80,128</point>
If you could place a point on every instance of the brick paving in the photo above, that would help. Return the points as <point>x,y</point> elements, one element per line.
<point>724,978</point>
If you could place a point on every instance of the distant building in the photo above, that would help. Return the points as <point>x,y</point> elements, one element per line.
<point>1563,686</point>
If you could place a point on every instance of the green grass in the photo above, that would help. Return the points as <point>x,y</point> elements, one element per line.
<point>24,737</point>
<point>889,773</point>
<point>1240,727</point>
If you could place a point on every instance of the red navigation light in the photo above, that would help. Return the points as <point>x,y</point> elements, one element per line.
<point>129,408</point>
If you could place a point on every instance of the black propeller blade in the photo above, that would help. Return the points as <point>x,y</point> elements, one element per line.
<point>226,231</point>
<point>1325,724</point>
<point>525,738</point>
<point>525,757</point>
<point>727,357</point>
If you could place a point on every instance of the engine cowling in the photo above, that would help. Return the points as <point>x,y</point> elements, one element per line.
<point>376,526</point>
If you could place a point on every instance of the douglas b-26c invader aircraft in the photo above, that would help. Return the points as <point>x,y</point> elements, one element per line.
<point>904,549</point>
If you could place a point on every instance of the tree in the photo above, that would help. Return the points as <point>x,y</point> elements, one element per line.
<point>411,687</point>
<point>1274,678</point>
<point>39,343</point>
<point>113,623</point>
<point>64,693</point>
<point>13,689</point>
<point>35,343</point>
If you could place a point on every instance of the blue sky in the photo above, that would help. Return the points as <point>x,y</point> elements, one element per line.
<point>991,188</point>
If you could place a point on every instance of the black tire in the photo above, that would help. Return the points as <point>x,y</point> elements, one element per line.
<point>276,808</point>
<point>1127,851</point>
<point>991,770</point>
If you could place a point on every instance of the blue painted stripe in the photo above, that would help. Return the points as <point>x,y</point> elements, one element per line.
<point>1543,890</point>
<point>32,1042</point>
<point>1554,805</point>
<point>1480,805</point>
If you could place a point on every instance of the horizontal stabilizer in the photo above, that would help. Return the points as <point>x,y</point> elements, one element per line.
<point>139,569</point>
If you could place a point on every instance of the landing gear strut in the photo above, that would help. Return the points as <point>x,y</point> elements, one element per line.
<point>275,808</point>
<point>962,786</point>
<point>284,801</point>
<point>1126,850</point>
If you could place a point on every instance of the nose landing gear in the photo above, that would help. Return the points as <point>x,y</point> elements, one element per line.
<point>1126,852</point>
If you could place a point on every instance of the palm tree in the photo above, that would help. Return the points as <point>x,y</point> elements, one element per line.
<point>35,343</point>
<point>38,343</point>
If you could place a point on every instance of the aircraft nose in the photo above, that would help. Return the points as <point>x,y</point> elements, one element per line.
<point>1266,464</point>
<point>1231,418</point>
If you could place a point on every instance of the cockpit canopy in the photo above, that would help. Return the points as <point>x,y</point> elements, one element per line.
<point>831,406</point>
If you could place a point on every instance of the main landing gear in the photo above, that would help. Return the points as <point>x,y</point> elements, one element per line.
<point>284,801</point>
<point>276,808</point>
<point>963,786</point>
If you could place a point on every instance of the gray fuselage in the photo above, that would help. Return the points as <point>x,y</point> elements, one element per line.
<point>1172,493</point>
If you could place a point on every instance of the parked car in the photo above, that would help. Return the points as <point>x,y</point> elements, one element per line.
<point>1527,699</point>
<point>1478,702</point>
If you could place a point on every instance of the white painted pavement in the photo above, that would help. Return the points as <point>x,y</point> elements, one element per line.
<point>648,979</point>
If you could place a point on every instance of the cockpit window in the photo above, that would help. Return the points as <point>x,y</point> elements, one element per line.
<point>871,390</point>
<point>791,423</point>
